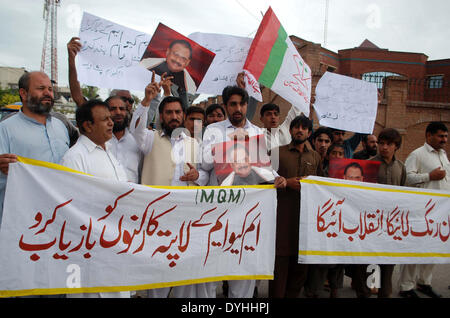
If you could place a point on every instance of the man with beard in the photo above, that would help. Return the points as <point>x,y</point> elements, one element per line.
<point>122,144</point>
<point>369,143</point>
<point>295,162</point>
<point>158,147</point>
<point>349,144</point>
<point>235,127</point>
<point>32,132</point>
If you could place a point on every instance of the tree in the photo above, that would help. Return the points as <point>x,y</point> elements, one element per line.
<point>9,96</point>
<point>7,99</point>
<point>90,92</point>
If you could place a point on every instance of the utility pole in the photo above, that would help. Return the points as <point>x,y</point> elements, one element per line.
<point>325,29</point>
<point>49,60</point>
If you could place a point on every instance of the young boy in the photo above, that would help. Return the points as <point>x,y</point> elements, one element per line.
<point>392,171</point>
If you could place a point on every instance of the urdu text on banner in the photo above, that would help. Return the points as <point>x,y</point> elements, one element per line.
<point>349,222</point>
<point>123,236</point>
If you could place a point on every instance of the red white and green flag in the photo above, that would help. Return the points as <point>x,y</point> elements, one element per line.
<point>274,62</point>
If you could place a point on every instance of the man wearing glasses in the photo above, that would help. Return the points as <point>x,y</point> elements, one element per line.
<point>178,57</point>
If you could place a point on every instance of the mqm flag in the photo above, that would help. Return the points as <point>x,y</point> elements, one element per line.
<point>275,63</point>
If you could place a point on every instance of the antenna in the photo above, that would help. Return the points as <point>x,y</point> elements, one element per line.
<point>49,60</point>
<point>325,29</point>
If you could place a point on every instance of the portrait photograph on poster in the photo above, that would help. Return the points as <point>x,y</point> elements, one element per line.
<point>178,56</point>
<point>354,169</point>
<point>243,162</point>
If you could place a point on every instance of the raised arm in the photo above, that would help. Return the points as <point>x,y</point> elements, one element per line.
<point>73,47</point>
<point>138,126</point>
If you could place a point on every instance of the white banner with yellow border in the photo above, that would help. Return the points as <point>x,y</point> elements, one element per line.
<point>343,222</point>
<point>67,232</point>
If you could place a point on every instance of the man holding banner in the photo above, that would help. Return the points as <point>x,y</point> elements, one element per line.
<point>392,171</point>
<point>91,155</point>
<point>32,132</point>
<point>295,161</point>
<point>427,167</point>
<point>181,170</point>
<point>236,127</point>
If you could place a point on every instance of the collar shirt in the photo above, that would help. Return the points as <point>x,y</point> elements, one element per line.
<point>393,173</point>
<point>26,137</point>
<point>145,137</point>
<point>127,151</point>
<point>421,162</point>
<point>293,163</point>
<point>217,133</point>
<point>90,158</point>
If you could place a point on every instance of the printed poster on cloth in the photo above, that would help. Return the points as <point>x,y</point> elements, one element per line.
<point>350,222</point>
<point>67,232</point>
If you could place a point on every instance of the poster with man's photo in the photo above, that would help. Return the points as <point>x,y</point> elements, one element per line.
<point>175,55</point>
<point>243,162</point>
<point>354,169</point>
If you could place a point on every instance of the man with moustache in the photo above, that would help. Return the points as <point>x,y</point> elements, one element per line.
<point>178,57</point>
<point>235,127</point>
<point>32,132</point>
<point>354,172</point>
<point>159,147</point>
<point>427,167</point>
<point>295,162</point>
<point>122,144</point>
<point>91,155</point>
<point>369,143</point>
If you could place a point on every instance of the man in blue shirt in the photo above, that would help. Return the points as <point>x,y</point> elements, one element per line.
<point>32,133</point>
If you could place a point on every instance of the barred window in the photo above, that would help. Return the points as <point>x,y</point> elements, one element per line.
<point>435,81</point>
<point>378,77</point>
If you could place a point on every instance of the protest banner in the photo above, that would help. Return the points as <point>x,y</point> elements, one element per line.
<point>67,232</point>
<point>110,55</point>
<point>274,61</point>
<point>349,222</point>
<point>178,56</point>
<point>231,53</point>
<point>346,103</point>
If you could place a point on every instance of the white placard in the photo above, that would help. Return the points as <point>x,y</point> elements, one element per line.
<point>231,53</point>
<point>346,103</point>
<point>110,55</point>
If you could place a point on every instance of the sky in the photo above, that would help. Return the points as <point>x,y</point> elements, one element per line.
<point>420,26</point>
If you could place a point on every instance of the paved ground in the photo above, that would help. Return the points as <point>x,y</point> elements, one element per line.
<point>441,282</point>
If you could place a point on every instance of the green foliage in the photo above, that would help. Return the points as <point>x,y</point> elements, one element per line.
<point>90,92</point>
<point>7,99</point>
<point>136,99</point>
<point>9,96</point>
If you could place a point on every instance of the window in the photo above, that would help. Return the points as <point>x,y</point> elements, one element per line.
<point>378,77</point>
<point>435,81</point>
